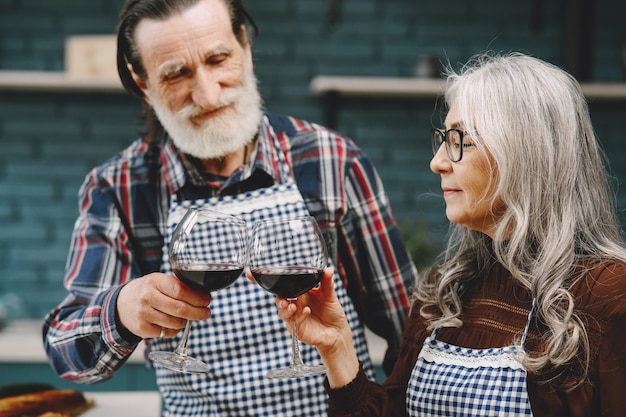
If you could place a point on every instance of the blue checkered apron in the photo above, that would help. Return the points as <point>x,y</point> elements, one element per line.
<point>450,380</point>
<point>244,337</point>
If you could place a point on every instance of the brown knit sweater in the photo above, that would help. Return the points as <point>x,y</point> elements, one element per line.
<point>495,311</point>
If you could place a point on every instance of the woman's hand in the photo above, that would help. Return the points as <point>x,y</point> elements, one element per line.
<point>322,323</point>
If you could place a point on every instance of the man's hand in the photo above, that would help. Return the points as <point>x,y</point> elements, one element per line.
<point>158,305</point>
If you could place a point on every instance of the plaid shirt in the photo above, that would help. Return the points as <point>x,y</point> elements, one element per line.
<point>124,203</point>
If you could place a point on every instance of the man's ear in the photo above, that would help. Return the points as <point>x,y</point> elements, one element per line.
<point>140,83</point>
<point>247,47</point>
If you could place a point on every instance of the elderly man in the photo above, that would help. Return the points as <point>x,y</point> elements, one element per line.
<point>209,142</point>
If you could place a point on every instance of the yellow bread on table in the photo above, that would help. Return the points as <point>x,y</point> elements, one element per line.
<point>50,403</point>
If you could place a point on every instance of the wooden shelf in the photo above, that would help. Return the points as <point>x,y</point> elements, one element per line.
<point>392,87</point>
<point>604,91</point>
<point>377,86</point>
<point>57,81</point>
<point>406,87</point>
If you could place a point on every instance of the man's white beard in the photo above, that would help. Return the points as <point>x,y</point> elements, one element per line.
<point>219,135</point>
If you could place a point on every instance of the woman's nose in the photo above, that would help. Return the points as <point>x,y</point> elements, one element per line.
<point>440,163</point>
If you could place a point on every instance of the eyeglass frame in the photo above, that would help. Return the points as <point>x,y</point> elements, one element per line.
<point>444,135</point>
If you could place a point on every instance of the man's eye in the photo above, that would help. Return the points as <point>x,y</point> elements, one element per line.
<point>174,75</point>
<point>170,77</point>
<point>217,59</point>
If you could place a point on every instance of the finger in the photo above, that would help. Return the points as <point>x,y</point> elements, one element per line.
<point>173,288</point>
<point>285,309</point>
<point>173,313</point>
<point>327,285</point>
<point>165,333</point>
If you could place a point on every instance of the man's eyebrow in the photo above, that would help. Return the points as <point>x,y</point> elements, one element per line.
<point>170,69</point>
<point>220,50</point>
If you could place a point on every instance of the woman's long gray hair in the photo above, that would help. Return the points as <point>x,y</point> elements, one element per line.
<point>550,173</point>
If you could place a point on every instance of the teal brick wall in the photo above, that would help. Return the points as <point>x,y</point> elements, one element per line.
<point>48,141</point>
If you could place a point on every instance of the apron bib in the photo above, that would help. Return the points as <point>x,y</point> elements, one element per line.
<point>244,338</point>
<point>449,380</point>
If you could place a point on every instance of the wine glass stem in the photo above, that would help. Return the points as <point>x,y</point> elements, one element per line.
<point>181,350</point>
<point>296,358</point>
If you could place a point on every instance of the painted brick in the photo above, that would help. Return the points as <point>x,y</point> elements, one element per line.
<point>47,7</point>
<point>88,25</point>
<point>20,280</point>
<point>14,149</point>
<point>18,22</point>
<point>308,8</point>
<point>20,233</point>
<point>48,170</point>
<point>12,43</point>
<point>270,11</point>
<point>45,255</point>
<point>52,43</point>
<point>358,8</point>
<point>357,49</point>
<point>53,212</point>
<point>21,60</point>
<point>44,128</point>
<point>66,150</point>
<point>25,191</point>
<point>7,212</point>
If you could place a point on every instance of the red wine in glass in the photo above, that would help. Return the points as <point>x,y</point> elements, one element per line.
<point>207,277</point>
<point>288,282</point>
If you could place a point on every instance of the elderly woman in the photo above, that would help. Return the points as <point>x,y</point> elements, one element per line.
<point>525,311</point>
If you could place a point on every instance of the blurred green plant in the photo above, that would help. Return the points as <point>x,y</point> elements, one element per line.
<point>419,243</point>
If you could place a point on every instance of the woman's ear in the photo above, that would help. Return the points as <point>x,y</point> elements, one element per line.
<point>139,81</point>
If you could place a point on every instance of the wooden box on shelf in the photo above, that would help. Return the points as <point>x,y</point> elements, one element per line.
<point>91,56</point>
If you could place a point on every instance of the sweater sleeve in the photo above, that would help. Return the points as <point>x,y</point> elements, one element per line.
<point>612,355</point>
<point>364,398</point>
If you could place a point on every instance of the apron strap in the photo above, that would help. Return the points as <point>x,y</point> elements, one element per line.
<point>530,315</point>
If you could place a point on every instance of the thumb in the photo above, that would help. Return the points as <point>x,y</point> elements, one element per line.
<point>327,286</point>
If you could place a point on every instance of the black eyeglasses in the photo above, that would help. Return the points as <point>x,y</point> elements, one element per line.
<point>454,142</point>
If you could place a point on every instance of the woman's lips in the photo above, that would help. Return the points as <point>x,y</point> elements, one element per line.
<point>448,192</point>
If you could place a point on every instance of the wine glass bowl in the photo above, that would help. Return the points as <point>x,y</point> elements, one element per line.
<point>288,282</point>
<point>207,253</point>
<point>205,268</point>
<point>287,257</point>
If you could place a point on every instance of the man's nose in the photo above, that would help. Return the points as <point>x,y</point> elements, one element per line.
<point>206,90</point>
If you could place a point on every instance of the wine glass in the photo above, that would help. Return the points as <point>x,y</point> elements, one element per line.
<point>287,257</point>
<point>207,253</point>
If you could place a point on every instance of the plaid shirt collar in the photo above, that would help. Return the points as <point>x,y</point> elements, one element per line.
<point>264,156</point>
